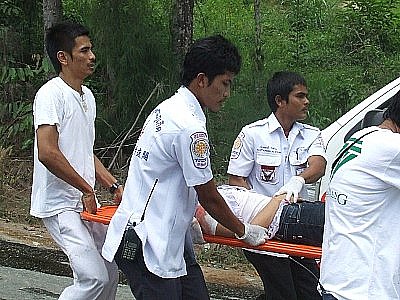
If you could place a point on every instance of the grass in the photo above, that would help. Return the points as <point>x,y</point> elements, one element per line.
<point>223,257</point>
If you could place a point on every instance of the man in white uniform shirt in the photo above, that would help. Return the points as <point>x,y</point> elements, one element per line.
<point>65,167</point>
<point>361,242</point>
<point>279,155</point>
<point>149,233</point>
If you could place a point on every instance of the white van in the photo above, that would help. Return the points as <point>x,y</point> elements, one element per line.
<point>339,131</point>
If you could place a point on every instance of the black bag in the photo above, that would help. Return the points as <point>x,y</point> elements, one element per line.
<point>302,223</point>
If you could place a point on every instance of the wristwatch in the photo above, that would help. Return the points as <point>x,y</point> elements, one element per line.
<point>114,187</point>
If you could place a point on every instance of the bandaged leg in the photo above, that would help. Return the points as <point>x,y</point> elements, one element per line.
<point>207,223</point>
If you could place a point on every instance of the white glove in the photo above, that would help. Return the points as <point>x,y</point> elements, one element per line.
<point>196,233</point>
<point>253,234</point>
<point>292,188</point>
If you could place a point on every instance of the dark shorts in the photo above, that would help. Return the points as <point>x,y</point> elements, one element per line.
<point>302,223</point>
<point>146,285</point>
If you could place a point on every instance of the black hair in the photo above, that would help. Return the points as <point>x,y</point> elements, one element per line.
<point>282,83</point>
<point>212,56</point>
<point>393,110</point>
<point>61,37</point>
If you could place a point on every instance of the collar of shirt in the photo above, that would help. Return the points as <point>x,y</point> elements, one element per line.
<point>273,124</point>
<point>192,103</point>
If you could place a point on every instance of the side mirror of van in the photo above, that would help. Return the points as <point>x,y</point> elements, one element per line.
<point>373,117</point>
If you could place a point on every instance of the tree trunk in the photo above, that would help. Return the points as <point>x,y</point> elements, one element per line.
<point>52,13</point>
<point>258,51</point>
<point>182,28</point>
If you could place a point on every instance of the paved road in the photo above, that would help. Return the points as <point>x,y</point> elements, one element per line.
<point>30,273</point>
<point>20,284</point>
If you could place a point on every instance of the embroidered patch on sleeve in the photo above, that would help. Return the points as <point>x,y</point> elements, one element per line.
<point>237,146</point>
<point>199,148</point>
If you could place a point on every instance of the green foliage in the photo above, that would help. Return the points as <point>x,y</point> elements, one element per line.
<point>345,49</point>
<point>21,72</point>
<point>17,86</point>
<point>232,20</point>
<point>9,10</point>
<point>224,126</point>
<point>372,28</point>
<point>360,60</point>
<point>344,91</point>
<point>307,21</point>
<point>133,53</point>
<point>20,31</point>
<point>305,36</point>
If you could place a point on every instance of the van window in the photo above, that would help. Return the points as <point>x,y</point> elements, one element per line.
<point>358,125</point>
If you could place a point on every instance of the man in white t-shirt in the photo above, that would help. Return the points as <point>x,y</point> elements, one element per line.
<point>279,155</point>
<point>149,234</point>
<point>65,167</point>
<point>360,250</point>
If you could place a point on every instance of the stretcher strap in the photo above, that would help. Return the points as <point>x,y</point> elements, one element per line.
<point>105,213</point>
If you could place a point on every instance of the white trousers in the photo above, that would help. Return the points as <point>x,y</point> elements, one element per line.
<point>81,241</point>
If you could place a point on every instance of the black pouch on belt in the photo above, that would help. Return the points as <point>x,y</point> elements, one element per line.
<point>302,223</point>
<point>132,244</point>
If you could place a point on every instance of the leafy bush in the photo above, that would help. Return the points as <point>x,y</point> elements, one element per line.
<point>17,88</point>
<point>346,50</point>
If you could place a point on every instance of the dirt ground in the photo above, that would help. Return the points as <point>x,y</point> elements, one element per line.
<point>220,264</point>
<point>37,236</point>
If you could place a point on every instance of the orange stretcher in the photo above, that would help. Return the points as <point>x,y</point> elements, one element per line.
<point>105,213</point>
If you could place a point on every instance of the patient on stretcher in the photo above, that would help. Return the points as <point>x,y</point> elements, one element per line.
<point>300,223</point>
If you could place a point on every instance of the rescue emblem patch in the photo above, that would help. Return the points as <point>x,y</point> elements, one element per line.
<point>200,148</point>
<point>237,146</point>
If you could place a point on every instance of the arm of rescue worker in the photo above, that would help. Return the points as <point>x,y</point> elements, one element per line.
<point>53,159</point>
<point>106,179</point>
<point>315,170</point>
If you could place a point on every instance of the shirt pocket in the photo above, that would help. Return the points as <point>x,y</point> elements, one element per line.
<point>298,159</point>
<point>267,168</point>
